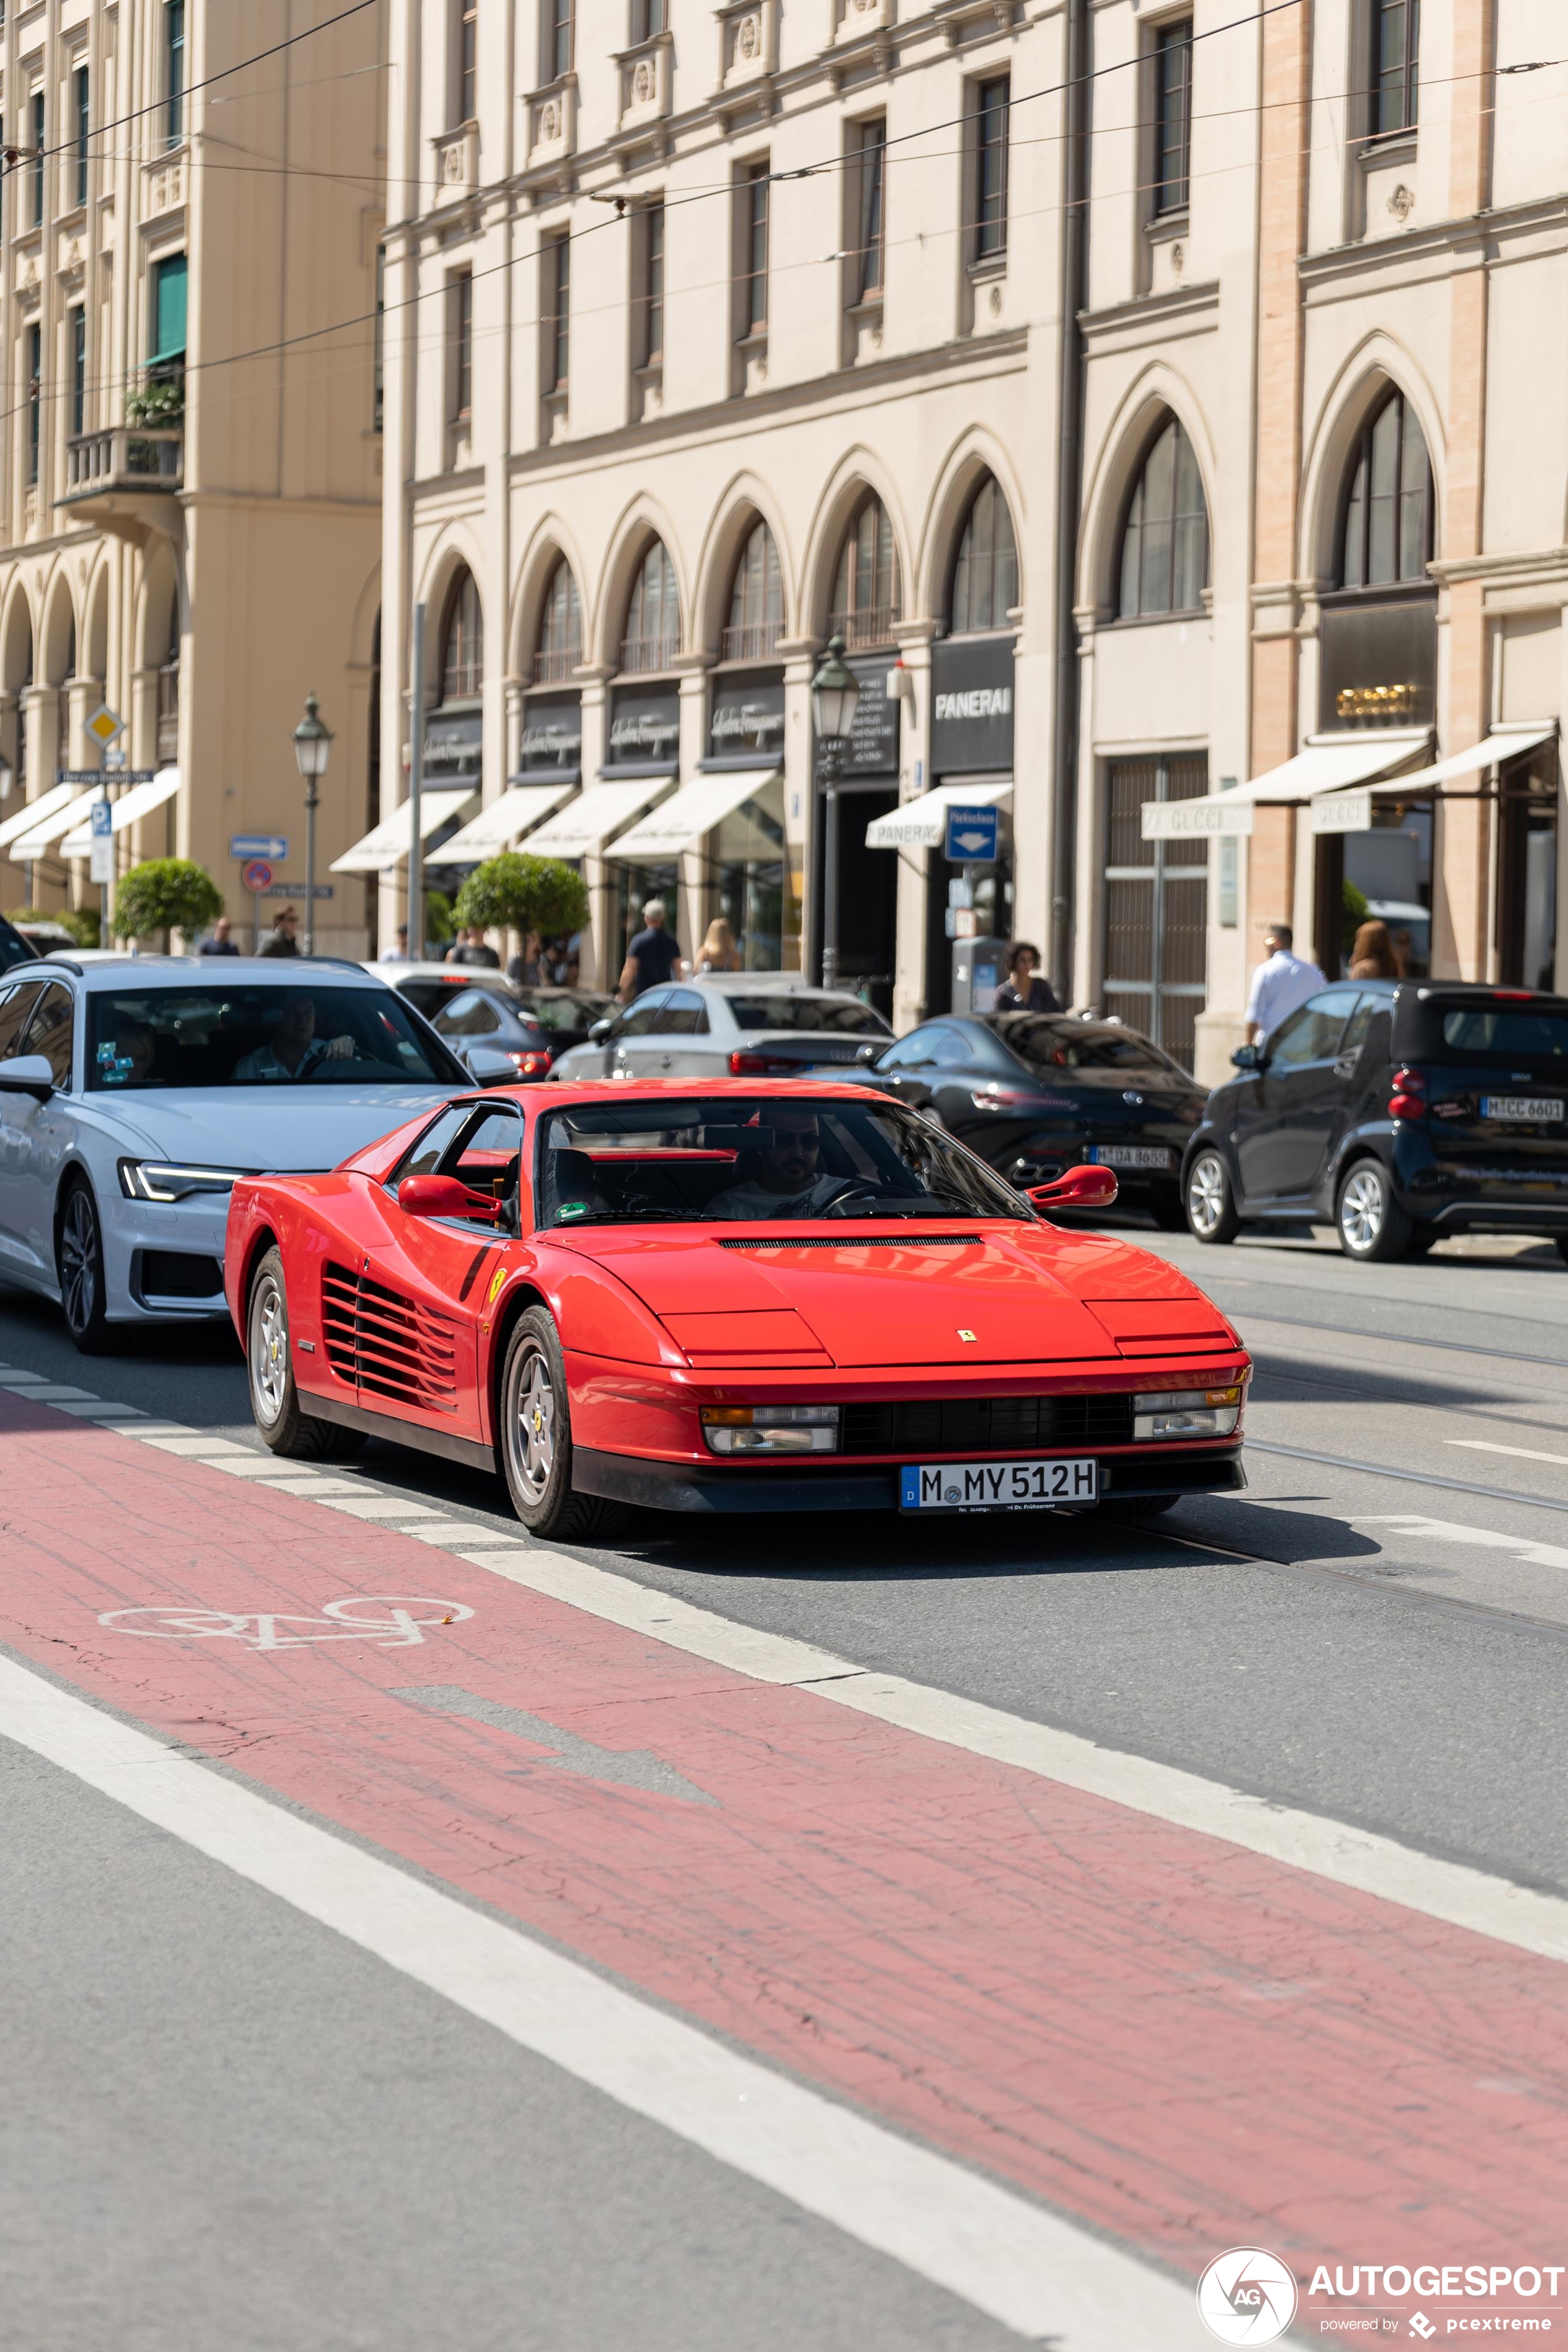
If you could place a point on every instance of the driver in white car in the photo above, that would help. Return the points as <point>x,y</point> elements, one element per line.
<point>789,1182</point>
<point>295,1050</point>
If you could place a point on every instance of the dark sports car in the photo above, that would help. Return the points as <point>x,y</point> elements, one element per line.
<point>1037,1092</point>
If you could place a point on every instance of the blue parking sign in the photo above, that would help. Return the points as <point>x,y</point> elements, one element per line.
<point>971,836</point>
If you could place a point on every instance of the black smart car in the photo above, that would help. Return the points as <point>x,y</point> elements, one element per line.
<point>1405,1110</point>
<point>1037,1092</point>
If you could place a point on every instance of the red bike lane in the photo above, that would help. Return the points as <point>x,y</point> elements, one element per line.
<point>1172,2040</point>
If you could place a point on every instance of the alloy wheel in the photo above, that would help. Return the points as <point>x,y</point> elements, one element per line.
<point>1207,1196</point>
<point>79,1260</point>
<point>269,1348</point>
<point>1363,1207</point>
<point>534,1426</point>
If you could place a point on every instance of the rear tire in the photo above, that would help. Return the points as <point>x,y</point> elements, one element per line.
<point>79,1264</point>
<point>1209,1200</point>
<point>274,1399</point>
<point>1372,1226</point>
<point>534,1438</point>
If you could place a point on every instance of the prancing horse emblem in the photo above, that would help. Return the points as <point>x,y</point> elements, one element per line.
<point>967,1336</point>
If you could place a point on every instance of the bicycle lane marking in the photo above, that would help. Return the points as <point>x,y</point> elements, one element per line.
<point>1078,1998</point>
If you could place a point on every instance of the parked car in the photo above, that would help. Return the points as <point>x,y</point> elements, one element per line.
<point>133,1092</point>
<point>1037,1092</point>
<point>527,1029</point>
<point>1404,1110</point>
<point>811,1300</point>
<point>428,986</point>
<point>14,948</point>
<point>741,1024</point>
<point>47,939</point>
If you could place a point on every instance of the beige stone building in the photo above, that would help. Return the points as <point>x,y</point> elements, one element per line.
<point>190,498</point>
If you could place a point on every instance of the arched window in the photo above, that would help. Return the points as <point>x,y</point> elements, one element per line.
<point>168,688</point>
<point>1387,531</point>
<point>1166,537</point>
<point>463,649</point>
<point>985,572</point>
<point>756,600</point>
<point>866,588</point>
<point>653,616</point>
<point>560,648</point>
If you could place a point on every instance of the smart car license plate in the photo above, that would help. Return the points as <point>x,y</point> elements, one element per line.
<point>997,1486</point>
<point>1129,1155</point>
<point>1521,1107</point>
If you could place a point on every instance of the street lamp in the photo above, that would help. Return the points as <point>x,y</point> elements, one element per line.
<point>834,691</point>
<point>313,750</point>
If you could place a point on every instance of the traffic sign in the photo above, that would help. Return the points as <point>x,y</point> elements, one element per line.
<point>104,726</point>
<point>258,875</point>
<point>260,844</point>
<point>971,836</point>
<point>296,890</point>
<point>100,820</point>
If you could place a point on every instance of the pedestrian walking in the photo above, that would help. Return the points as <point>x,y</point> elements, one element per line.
<point>1373,956</point>
<point>653,957</point>
<point>1024,990</point>
<point>282,941</point>
<point>1280,982</point>
<point>220,944</point>
<point>719,952</point>
<point>470,947</point>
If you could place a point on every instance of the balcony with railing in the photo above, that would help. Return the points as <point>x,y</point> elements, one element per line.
<point>749,641</point>
<point>646,656</point>
<point>872,625</point>
<point>554,665</point>
<point>124,458</point>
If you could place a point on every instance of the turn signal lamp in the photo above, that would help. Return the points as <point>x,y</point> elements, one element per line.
<point>1187,1413</point>
<point>1405,1101</point>
<point>771,1428</point>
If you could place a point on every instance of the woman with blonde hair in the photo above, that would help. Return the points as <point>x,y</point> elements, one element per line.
<point>1373,956</point>
<point>718,951</point>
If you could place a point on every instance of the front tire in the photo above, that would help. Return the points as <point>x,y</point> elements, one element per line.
<point>274,1399</point>
<point>535,1437</point>
<point>1210,1202</point>
<point>1371,1225</point>
<point>78,1264</point>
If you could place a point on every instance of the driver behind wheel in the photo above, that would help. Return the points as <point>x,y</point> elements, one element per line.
<point>788,1179</point>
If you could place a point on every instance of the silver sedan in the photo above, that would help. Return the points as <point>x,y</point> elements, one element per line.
<point>738,1025</point>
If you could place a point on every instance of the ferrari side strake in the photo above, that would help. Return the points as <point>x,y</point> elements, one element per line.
<point>705,1296</point>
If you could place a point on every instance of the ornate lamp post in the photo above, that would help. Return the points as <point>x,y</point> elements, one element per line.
<point>834,691</point>
<point>313,750</point>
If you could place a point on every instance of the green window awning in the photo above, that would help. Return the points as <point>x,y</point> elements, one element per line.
<point>169,285</point>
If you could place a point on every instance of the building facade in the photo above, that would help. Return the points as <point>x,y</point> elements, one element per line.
<point>190,501</point>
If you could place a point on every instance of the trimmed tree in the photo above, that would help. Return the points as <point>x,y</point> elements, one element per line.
<point>515,892</point>
<point>166,894</point>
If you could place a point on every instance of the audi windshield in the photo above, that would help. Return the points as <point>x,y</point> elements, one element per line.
<point>257,1035</point>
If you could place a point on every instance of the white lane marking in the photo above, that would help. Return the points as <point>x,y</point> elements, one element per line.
<point>181,1444</point>
<point>379,1506</point>
<point>1525,1453</point>
<point>1535,1555</point>
<point>1380,1867</point>
<point>10,1378</point>
<point>1025,2267</point>
<point>54,1392</point>
<point>1409,1477</point>
<point>450,1533</point>
<point>166,1620</point>
<point>93,1410</point>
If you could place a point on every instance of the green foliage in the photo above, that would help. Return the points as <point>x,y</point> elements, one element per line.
<point>160,401</point>
<point>82,922</point>
<point>524,894</point>
<point>1352,915</point>
<point>166,894</point>
<point>440,926</point>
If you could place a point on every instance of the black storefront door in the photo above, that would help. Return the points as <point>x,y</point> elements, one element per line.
<point>867,895</point>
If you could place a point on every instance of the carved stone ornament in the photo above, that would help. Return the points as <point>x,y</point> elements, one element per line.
<point>642,82</point>
<point>1402,203</point>
<point>996,301</point>
<point>748,37</point>
<point>1178,259</point>
<point>452,164</point>
<point>549,121</point>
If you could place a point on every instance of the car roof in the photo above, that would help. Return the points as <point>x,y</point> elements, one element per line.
<point>620,1090</point>
<point>766,983</point>
<point>150,973</point>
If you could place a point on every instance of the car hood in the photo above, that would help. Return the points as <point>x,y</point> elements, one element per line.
<point>272,1129</point>
<point>952,1295</point>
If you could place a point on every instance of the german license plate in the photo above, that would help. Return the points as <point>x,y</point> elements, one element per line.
<point>997,1486</point>
<point>1521,1107</point>
<point>1129,1155</point>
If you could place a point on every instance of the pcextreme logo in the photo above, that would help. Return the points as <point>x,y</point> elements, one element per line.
<point>1246,2296</point>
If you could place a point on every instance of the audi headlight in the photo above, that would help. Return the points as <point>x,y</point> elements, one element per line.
<point>166,1180</point>
<point>1187,1413</point>
<point>771,1428</point>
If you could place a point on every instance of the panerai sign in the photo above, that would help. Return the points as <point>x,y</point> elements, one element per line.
<point>971,705</point>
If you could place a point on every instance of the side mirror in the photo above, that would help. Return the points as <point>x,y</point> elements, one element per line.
<point>1247,1058</point>
<point>866,1055</point>
<point>28,1074</point>
<point>600,1031</point>
<point>439,1196</point>
<point>491,1067</point>
<point>1076,1188</point>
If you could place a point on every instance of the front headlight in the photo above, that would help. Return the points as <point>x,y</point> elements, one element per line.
<point>771,1428</point>
<point>164,1179</point>
<point>1187,1413</point>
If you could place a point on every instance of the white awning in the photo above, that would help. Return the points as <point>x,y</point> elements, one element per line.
<point>1351,811</point>
<point>923,824</point>
<point>680,822</point>
<point>139,801</point>
<point>519,808</point>
<point>386,844</point>
<point>56,803</point>
<point>580,828</point>
<point>1321,768</point>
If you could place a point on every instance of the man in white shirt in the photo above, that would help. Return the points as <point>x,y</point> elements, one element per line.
<point>399,954</point>
<point>1278,985</point>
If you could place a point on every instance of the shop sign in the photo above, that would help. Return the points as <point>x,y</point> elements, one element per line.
<point>1377,664</point>
<point>551,735</point>
<point>1342,812</point>
<point>453,746</point>
<point>971,705</point>
<point>644,725</point>
<point>1196,819</point>
<point>748,718</point>
<point>874,734</point>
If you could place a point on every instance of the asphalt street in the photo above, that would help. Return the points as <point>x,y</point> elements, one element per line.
<point>223,2125</point>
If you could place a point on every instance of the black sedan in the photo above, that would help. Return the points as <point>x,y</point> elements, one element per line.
<point>516,1032</point>
<point>1034,1093</point>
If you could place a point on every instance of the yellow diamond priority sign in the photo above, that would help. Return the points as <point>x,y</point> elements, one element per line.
<point>105,725</point>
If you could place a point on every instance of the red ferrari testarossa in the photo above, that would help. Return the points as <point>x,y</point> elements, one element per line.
<point>715,1296</point>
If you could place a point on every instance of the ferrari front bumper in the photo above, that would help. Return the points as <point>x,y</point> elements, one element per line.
<point>838,1485</point>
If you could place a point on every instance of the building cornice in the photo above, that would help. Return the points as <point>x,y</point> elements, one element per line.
<point>1474,241</point>
<point>1517,568</point>
<point>1153,314</point>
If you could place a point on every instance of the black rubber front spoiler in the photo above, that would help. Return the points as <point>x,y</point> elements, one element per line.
<point>758,1487</point>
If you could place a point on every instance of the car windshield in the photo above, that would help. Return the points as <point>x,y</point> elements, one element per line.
<point>565,1008</point>
<point>1518,1035</point>
<point>740,1160</point>
<point>799,1009</point>
<point>1079,1044</point>
<point>258,1037</point>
